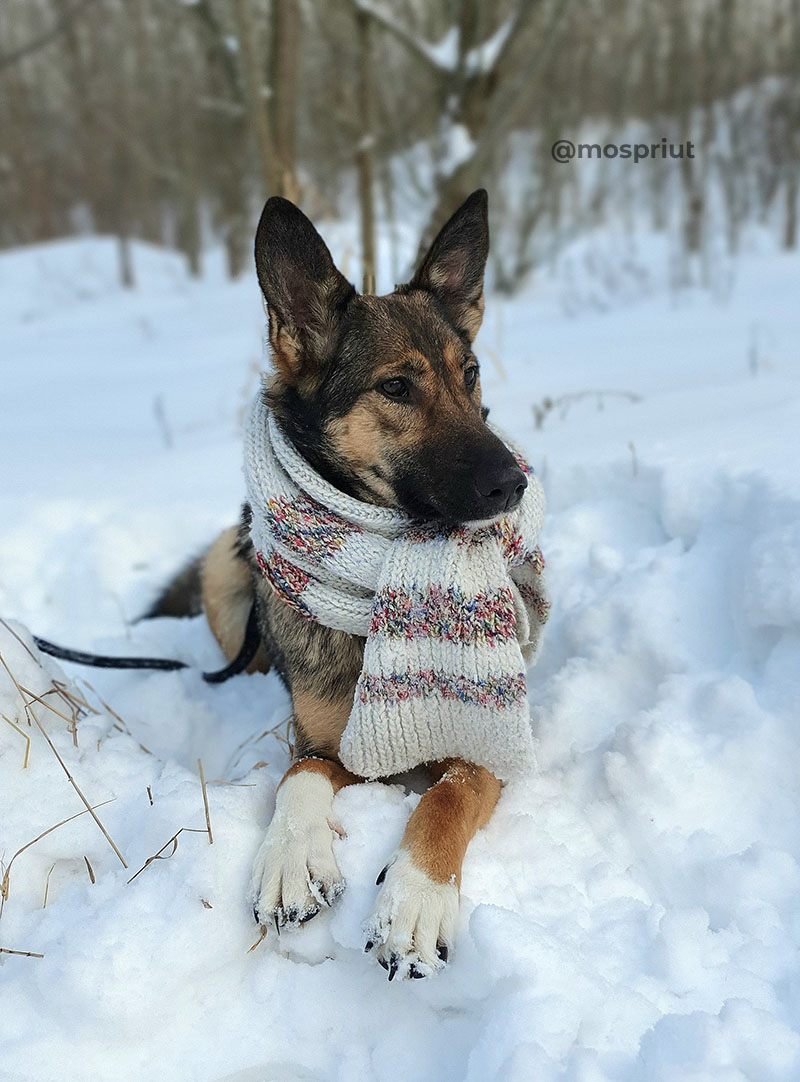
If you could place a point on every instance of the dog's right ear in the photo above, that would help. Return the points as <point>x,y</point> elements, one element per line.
<point>305,293</point>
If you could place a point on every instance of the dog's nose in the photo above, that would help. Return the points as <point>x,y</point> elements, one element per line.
<point>501,489</point>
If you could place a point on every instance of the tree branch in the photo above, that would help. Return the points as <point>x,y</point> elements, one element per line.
<point>421,48</point>
<point>55,31</point>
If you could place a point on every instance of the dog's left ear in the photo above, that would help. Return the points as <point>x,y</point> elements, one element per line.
<point>454,266</point>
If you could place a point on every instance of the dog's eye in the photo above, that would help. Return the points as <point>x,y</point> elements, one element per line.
<point>470,377</point>
<point>394,388</point>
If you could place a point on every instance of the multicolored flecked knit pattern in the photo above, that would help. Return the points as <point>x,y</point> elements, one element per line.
<point>450,617</point>
<point>496,691</point>
<point>444,613</point>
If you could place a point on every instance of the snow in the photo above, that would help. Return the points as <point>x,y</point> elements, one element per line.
<point>630,913</point>
<point>483,57</point>
<point>442,54</point>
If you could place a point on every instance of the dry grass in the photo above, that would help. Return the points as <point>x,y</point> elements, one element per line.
<point>6,868</point>
<point>260,939</point>
<point>120,725</point>
<point>280,732</point>
<point>173,841</point>
<point>28,698</point>
<point>205,800</point>
<point>22,954</point>
<point>24,736</point>
<point>70,705</point>
<point>562,404</point>
<point>47,886</point>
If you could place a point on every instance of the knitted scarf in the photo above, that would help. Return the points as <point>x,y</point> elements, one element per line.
<point>450,615</point>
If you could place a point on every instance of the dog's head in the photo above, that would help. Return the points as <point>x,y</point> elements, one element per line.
<point>383,394</point>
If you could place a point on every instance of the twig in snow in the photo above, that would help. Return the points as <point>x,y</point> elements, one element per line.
<point>24,736</point>
<point>564,401</point>
<point>286,723</point>
<point>31,713</point>
<point>5,881</point>
<point>634,462</point>
<point>47,886</point>
<point>163,423</point>
<point>205,800</point>
<point>173,841</point>
<point>121,726</point>
<point>77,789</point>
<point>22,954</point>
<point>260,939</point>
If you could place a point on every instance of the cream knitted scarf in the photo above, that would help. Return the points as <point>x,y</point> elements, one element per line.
<point>449,616</point>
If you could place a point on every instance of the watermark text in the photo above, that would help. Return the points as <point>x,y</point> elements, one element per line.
<point>564,150</point>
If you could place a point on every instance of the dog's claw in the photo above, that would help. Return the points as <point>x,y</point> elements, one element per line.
<point>255,914</point>
<point>382,876</point>
<point>330,892</point>
<point>369,946</point>
<point>409,899</point>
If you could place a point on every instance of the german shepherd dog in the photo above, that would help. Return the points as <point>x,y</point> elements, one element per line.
<point>382,395</point>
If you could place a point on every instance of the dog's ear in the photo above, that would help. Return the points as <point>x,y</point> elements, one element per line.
<point>453,268</point>
<point>305,293</point>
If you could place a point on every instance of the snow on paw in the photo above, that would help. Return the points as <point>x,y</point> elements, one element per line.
<point>295,873</point>
<point>412,926</point>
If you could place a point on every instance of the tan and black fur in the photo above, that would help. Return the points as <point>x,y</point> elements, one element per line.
<point>382,395</point>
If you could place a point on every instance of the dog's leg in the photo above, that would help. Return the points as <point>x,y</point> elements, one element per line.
<point>227,590</point>
<point>295,872</point>
<point>413,923</point>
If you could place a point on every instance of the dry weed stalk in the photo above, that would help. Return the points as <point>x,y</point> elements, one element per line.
<point>22,954</point>
<point>282,738</point>
<point>121,725</point>
<point>260,939</point>
<point>205,800</point>
<point>47,885</point>
<point>173,841</point>
<point>31,715</point>
<point>24,736</point>
<point>5,881</point>
<point>564,401</point>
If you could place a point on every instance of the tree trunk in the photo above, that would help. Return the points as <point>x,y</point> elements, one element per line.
<point>284,71</point>
<point>256,99</point>
<point>365,152</point>
<point>790,219</point>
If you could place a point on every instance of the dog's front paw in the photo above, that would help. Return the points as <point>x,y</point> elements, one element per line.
<point>412,927</point>
<point>295,873</point>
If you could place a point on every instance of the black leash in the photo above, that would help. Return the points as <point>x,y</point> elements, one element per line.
<point>246,654</point>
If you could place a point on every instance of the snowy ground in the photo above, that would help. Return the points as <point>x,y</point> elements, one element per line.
<point>632,911</point>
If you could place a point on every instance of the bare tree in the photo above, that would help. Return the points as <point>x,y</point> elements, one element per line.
<point>365,150</point>
<point>284,71</point>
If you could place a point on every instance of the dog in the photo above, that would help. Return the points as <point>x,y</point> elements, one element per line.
<point>382,396</point>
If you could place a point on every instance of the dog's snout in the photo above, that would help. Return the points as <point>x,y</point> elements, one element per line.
<point>501,488</point>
